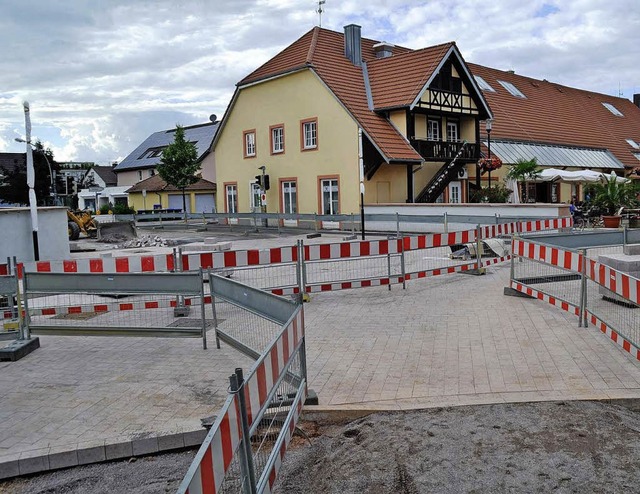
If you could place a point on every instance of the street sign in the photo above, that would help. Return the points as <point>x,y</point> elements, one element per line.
<point>263,199</point>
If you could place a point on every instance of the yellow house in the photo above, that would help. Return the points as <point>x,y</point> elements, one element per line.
<point>332,110</point>
<point>154,193</point>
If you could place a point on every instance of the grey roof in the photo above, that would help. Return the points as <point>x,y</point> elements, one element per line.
<point>201,135</point>
<point>555,156</point>
<point>106,173</point>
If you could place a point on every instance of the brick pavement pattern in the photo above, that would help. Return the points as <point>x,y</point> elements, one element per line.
<point>448,340</point>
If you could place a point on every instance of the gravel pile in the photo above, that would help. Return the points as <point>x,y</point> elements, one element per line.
<point>143,241</point>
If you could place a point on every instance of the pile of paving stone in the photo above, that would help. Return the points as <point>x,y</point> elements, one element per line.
<point>144,241</point>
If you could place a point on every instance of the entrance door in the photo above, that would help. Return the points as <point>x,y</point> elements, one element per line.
<point>455,192</point>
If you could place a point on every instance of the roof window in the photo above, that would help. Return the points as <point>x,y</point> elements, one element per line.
<point>637,155</point>
<point>484,85</point>
<point>512,89</point>
<point>613,109</point>
<point>633,143</point>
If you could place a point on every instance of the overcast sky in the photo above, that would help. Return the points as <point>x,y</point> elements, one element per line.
<point>101,75</point>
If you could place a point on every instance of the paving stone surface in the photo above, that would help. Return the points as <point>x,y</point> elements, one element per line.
<point>446,340</point>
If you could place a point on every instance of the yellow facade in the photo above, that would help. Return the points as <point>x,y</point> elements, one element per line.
<point>287,101</point>
<point>139,203</point>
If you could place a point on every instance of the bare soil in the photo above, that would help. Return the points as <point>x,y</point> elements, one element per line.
<point>537,447</point>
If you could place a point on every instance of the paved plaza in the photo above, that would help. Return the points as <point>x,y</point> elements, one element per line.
<point>448,340</point>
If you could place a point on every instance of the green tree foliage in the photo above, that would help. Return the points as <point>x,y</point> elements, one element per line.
<point>496,194</point>
<point>612,194</point>
<point>524,171</point>
<point>179,164</point>
<point>14,188</point>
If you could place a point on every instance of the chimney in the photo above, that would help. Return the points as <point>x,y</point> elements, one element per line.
<point>636,99</point>
<point>352,44</point>
<point>383,49</point>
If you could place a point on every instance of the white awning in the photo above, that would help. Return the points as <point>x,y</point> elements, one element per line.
<point>553,174</point>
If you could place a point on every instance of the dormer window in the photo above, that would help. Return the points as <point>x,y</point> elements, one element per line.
<point>484,85</point>
<point>613,109</point>
<point>514,91</point>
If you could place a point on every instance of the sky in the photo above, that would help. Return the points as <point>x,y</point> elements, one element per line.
<point>102,75</point>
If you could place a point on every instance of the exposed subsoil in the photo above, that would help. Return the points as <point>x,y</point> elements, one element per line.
<point>539,447</point>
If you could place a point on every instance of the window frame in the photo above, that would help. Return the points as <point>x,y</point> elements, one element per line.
<point>457,127</point>
<point>226,197</point>
<point>255,194</point>
<point>245,144</point>
<point>303,137</point>
<point>438,124</point>
<point>322,178</point>
<point>272,142</point>
<point>282,181</point>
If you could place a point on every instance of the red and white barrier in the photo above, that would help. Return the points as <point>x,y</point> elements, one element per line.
<point>566,306</point>
<point>555,256</point>
<point>614,335</point>
<point>618,282</point>
<point>345,285</point>
<point>216,453</point>
<point>438,271</point>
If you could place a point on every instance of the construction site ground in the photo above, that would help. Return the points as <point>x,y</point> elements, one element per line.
<point>448,341</point>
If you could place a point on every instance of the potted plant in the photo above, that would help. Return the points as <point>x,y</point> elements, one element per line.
<point>613,193</point>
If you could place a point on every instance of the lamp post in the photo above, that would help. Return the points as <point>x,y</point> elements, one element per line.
<point>51,175</point>
<point>31,181</point>
<point>488,125</point>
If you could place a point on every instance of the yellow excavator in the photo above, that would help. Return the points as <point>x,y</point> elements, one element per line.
<point>81,221</point>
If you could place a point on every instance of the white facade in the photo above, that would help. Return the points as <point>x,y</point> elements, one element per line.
<point>87,199</point>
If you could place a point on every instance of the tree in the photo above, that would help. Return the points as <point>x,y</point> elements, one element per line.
<point>524,171</point>
<point>179,164</point>
<point>14,188</point>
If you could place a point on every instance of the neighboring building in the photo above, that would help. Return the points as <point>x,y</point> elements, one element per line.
<point>300,113</point>
<point>155,193</point>
<point>562,127</point>
<point>70,176</point>
<point>8,163</point>
<point>100,187</point>
<point>143,161</point>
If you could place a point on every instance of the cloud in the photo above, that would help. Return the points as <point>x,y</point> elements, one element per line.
<point>100,80</point>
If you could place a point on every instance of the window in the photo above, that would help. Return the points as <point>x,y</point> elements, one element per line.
<point>152,153</point>
<point>139,174</point>
<point>433,130</point>
<point>255,193</point>
<point>277,139</point>
<point>152,172</point>
<point>329,190</point>
<point>633,144</point>
<point>231,198</point>
<point>249,143</point>
<point>289,197</point>
<point>637,155</point>
<point>452,131</point>
<point>484,85</point>
<point>454,192</point>
<point>613,109</point>
<point>309,130</point>
<point>512,89</point>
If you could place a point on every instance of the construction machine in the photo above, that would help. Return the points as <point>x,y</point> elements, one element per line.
<point>81,221</point>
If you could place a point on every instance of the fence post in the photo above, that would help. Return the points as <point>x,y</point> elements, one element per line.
<point>278,221</point>
<point>202,309</point>
<point>402,265</point>
<point>389,262</point>
<point>397,224</point>
<point>582,320</point>
<point>246,456</point>
<point>446,222</point>
<point>26,333</point>
<point>512,268</point>
<point>479,248</point>
<point>315,221</point>
<point>213,309</point>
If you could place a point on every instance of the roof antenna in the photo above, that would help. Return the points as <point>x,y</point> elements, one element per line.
<point>620,93</point>
<point>319,11</point>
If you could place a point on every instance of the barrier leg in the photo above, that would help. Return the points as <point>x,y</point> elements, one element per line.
<point>202,311</point>
<point>582,320</point>
<point>246,457</point>
<point>402,264</point>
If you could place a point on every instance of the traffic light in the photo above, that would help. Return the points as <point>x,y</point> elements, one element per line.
<point>258,181</point>
<point>263,186</point>
<point>266,182</point>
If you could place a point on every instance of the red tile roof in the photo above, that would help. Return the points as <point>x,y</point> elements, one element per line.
<point>416,67</point>
<point>556,114</point>
<point>323,51</point>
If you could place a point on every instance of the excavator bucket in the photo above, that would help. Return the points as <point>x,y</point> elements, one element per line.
<point>116,231</point>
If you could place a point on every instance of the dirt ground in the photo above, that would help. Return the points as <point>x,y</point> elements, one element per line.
<point>539,447</point>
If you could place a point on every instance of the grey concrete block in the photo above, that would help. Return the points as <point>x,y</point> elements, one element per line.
<point>171,441</point>
<point>33,464</point>
<point>91,455</point>
<point>194,438</point>
<point>631,249</point>
<point>9,468</point>
<point>119,450</point>
<point>63,459</point>
<point>145,446</point>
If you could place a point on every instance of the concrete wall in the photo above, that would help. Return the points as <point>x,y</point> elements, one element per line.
<point>53,237</point>
<point>521,211</point>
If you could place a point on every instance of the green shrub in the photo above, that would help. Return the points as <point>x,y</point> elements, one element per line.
<point>123,209</point>
<point>497,193</point>
<point>105,208</point>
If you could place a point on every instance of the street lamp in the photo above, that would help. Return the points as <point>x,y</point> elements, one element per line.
<point>488,125</point>
<point>51,177</point>
<point>31,181</point>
